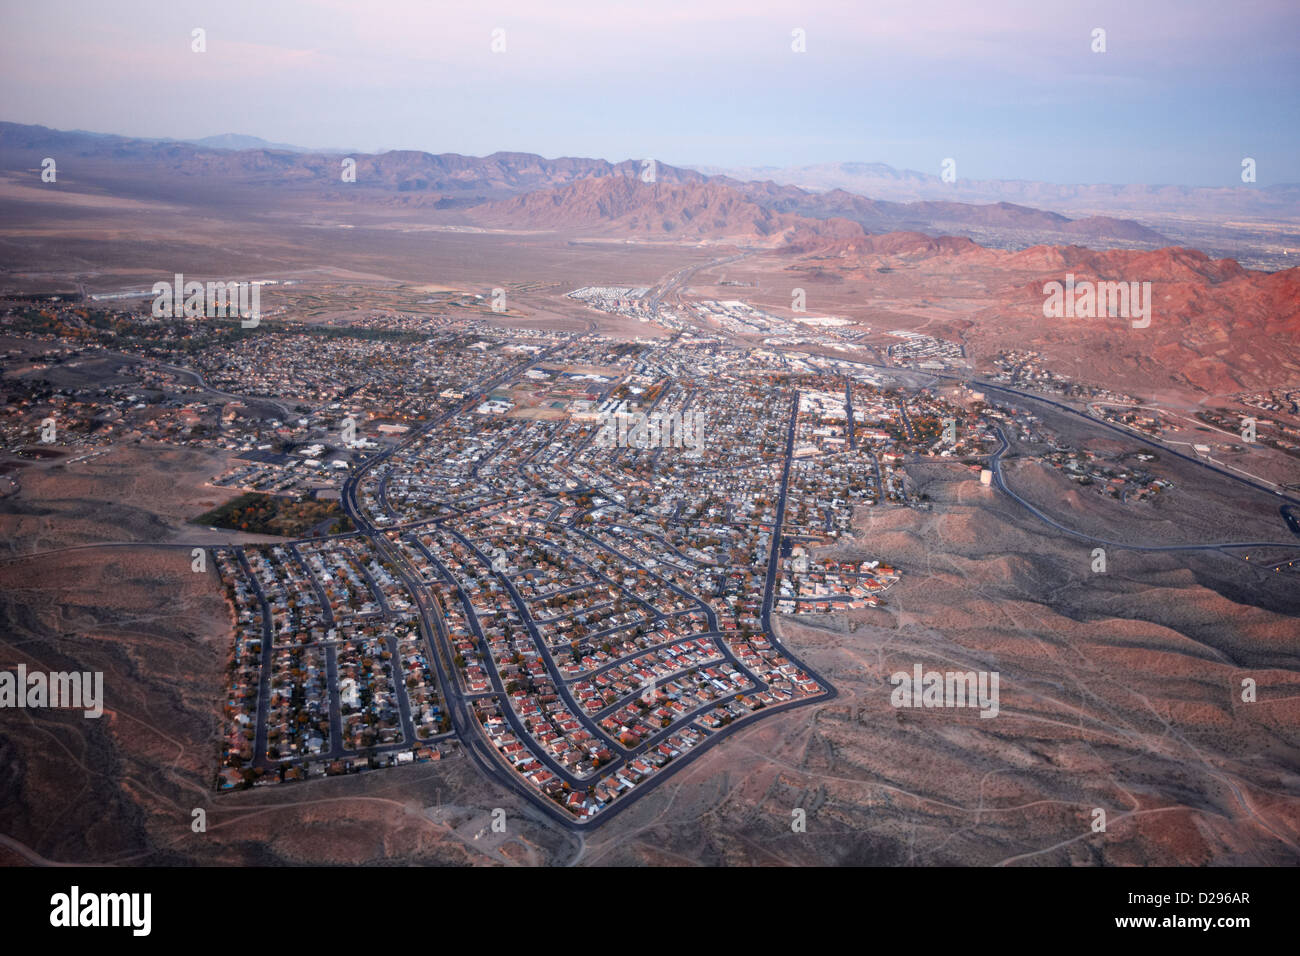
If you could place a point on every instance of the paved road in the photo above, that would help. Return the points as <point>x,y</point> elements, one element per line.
<point>677,279</point>
<point>1138,436</point>
<point>979,384</point>
<point>331,662</point>
<point>774,562</point>
<point>245,399</point>
<point>466,725</point>
<point>260,759</point>
<point>995,464</point>
<point>848,413</point>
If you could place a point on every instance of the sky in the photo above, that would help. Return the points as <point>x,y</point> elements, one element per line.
<point>1010,89</point>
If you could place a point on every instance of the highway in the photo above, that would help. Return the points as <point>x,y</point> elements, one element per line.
<point>995,465</point>
<point>774,559</point>
<point>1061,406</point>
<point>677,279</point>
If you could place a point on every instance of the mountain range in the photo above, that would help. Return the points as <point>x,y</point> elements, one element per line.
<point>525,190</point>
<point>879,259</point>
<point>887,183</point>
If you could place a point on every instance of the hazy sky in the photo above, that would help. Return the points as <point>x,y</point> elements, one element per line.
<point>1011,90</point>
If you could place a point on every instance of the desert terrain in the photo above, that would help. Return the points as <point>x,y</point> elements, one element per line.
<point>1121,690</point>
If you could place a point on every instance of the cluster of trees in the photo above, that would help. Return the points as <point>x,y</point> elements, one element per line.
<point>258,513</point>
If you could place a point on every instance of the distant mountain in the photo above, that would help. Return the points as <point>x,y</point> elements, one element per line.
<point>19,134</point>
<point>1208,317</point>
<point>240,141</point>
<point>883,182</point>
<point>1211,314</point>
<point>722,207</point>
<point>450,181</point>
<point>964,219</point>
<point>621,205</point>
<point>405,171</point>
